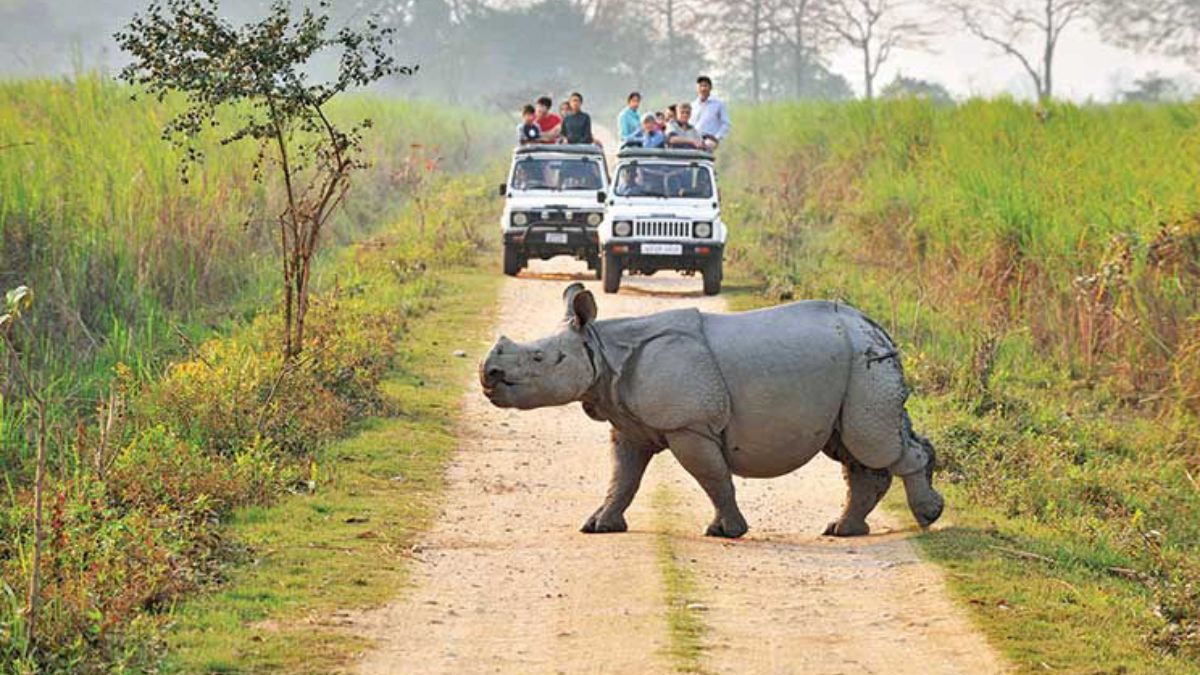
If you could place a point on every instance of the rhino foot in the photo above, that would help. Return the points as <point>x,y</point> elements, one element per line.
<point>728,528</point>
<point>599,524</point>
<point>928,510</point>
<point>844,528</point>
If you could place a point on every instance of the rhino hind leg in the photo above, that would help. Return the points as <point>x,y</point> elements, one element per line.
<point>878,433</point>
<point>864,488</point>
<point>925,502</point>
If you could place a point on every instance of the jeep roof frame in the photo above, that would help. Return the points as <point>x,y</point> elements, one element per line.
<point>579,149</point>
<point>665,153</point>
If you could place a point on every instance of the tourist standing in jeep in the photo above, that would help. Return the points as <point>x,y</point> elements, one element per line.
<point>712,117</point>
<point>629,122</point>
<point>577,126</point>
<point>549,124</point>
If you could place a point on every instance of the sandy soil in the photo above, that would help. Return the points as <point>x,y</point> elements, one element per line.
<point>505,583</point>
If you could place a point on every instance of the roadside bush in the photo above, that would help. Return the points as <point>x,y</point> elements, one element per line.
<point>137,526</point>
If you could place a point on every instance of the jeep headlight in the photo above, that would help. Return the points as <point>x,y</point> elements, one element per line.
<point>594,219</point>
<point>520,219</point>
<point>622,228</point>
<point>703,230</point>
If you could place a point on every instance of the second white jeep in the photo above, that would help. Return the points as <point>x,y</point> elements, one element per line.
<point>663,214</point>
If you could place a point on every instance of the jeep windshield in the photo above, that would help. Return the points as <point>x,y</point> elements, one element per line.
<point>558,173</point>
<point>648,179</point>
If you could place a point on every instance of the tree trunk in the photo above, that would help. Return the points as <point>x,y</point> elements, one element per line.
<point>671,32</point>
<point>798,43</point>
<point>868,76</point>
<point>1047,71</point>
<point>755,36</point>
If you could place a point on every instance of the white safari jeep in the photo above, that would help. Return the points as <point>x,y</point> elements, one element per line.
<point>551,207</point>
<point>663,214</point>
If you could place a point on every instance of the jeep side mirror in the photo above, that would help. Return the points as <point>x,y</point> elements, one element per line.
<point>601,197</point>
<point>503,189</point>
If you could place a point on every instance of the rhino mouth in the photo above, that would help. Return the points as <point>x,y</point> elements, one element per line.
<point>490,389</point>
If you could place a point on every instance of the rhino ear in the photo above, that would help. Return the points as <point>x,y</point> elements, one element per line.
<point>581,305</point>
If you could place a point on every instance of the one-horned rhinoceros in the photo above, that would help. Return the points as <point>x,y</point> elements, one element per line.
<point>754,394</point>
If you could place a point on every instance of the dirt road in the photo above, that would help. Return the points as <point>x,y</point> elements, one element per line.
<point>505,583</point>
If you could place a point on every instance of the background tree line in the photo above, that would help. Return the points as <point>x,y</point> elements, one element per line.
<point>499,53</point>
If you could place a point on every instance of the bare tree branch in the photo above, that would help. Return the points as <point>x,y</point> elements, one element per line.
<point>875,28</point>
<point>1006,24</point>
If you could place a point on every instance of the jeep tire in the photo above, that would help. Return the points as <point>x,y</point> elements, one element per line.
<point>712,276</point>
<point>610,273</point>
<point>513,261</point>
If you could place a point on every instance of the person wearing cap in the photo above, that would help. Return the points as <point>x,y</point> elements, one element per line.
<point>629,122</point>
<point>648,136</point>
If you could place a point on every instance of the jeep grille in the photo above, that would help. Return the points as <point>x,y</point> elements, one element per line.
<point>663,229</point>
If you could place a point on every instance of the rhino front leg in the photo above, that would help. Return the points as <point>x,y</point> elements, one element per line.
<point>702,458</point>
<point>629,465</point>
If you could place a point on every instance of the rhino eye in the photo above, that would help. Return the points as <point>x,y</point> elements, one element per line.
<point>560,358</point>
<point>538,357</point>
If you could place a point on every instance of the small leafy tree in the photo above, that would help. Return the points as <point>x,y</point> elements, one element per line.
<point>260,75</point>
<point>1153,88</point>
<point>16,302</point>
<point>914,87</point>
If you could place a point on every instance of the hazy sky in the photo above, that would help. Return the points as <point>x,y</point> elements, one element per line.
<point>1085,67</point>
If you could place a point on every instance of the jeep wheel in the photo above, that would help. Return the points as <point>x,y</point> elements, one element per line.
<point>712,277</point>
<point>596,267</point>
<point>611,273</point>
<point>512,261</point>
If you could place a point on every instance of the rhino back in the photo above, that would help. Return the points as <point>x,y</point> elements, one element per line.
<point>786,370</point>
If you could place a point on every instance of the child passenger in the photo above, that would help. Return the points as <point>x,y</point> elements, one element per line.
<point>528,130</point>
<point>649,135</point>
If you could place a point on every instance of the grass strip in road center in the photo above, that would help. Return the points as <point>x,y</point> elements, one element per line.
<point>686,629</point>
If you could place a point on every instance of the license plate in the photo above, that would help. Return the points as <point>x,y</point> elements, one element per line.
<point>556,237</point>
<point>662,249</point>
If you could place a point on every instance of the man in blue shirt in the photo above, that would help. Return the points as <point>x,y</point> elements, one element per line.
<point>628,122</point>
<point>712,118</point>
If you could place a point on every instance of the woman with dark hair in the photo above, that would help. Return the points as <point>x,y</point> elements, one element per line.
<point>629,121</point>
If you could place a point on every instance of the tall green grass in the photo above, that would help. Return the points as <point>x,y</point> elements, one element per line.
<point>160,297</point>
<point>1077,224</point>
<point>1041,269</point>
<point>124,257</point>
